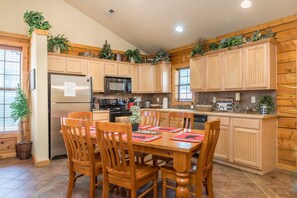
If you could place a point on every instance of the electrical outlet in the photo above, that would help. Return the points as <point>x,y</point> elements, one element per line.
<point>253,99</point>
<point>158,99</point>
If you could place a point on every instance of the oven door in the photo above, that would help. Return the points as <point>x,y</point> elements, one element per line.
<point>117,85</point>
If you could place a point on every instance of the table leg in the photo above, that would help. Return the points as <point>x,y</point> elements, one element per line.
<point>182,164</point>
<point>182,181</point>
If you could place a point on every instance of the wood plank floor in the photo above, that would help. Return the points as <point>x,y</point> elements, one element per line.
<point>20,178</point>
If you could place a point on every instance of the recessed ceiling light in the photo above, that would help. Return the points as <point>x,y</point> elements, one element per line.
<point>246,4</point>
<point>179,29</point>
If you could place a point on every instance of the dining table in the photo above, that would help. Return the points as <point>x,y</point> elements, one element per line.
<point>166,145</point>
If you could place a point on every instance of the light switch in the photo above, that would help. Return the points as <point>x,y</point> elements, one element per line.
<point>253,99</point>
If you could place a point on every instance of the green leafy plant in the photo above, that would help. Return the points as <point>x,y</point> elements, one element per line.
<point>106,52</point>
<point>214,46</point>
<point>133,54</point>
<point>161,55</point>
<point>232,41</point>
<point>198,48</point>
<point>59,41</point>
<point>35,20</point>
<point>135,118</point>
<point>20,110</point>
<point>267,100</point>
<point>257,35</point>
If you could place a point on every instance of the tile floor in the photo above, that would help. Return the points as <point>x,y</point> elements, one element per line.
<point>20,178</point>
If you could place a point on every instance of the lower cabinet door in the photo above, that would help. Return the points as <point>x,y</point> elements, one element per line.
<point>246,145</point>
<point>223,145</point>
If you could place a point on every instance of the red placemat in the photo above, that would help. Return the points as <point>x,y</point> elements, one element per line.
<point>165,129</point>
<point>145,127</point>
<point>143,137</point>
<point>189,137</point>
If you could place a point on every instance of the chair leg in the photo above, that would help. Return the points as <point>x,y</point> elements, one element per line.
<point>133,193</point>
<point>164,186</point>
<point>92,185</point>
<point>71,183</point>
<point>209,186</point>
<point>105,188</point>
<point>155,188</point>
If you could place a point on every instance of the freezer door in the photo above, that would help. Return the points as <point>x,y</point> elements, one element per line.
<point>56,142</point>
<point>66,88</point>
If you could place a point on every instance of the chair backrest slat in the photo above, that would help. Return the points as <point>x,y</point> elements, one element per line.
<point>181,119</point>
<point>82,115</point>
<point>114,139</point>
<point>150,118</point>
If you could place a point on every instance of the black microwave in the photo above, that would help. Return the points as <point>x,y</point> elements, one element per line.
<point>117,85</point>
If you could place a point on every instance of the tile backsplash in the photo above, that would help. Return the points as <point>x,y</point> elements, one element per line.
<point>245,97</point>
<point>149,96</point>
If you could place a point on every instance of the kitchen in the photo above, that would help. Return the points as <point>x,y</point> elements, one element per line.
<point>281,92</point>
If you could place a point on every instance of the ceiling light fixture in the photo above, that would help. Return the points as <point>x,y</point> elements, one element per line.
<point>179,29</point>
<point>246,4</point>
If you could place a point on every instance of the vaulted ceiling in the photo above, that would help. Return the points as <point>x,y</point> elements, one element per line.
<point>150,24</point>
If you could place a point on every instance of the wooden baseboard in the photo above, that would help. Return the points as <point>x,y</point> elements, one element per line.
<point>41,163</point>
<point>7,155</point>
<point>287,167</point>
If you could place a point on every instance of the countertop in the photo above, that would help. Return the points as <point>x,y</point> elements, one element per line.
<point>224,114</point>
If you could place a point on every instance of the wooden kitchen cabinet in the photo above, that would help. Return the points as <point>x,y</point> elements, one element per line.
<point>260,66</point>
<point>96,71</point>
<point>233,69</point>
<point>196,73</point>
<point>124,69</point>
<point>76,66</point>
<point>68,65</point>
<point>223,145</point>
<point>100,116</point>
<point>213,67</point>
<point>134,79</point>
<point>146,78</point>
<point>111,68</point>
<point>162,72</point>
<point>56,64</point>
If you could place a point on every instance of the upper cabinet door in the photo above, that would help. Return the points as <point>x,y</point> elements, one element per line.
<point>76,66</point>
<point>232,62</point>
<point>146,78</point>
<point>134,79</point>
<point>196,74</point>
<point>111,68</point>
<point>96,71</point>
<point>213,72</point>
<point>124,69</point>
<point>56,64</point>
<point>256,66</point>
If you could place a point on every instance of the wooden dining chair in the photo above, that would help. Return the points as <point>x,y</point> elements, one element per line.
<point>119,169</point>
<point>82,115</point>
<point>201,171</point>
<point>181,120</point>
<point>150,118</point>
<point>80,152</point>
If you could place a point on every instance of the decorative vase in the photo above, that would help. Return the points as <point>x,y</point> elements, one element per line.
<point>23,150</point>
<point>118,57</point>
<point>132,60</point>
<point>57,50</point>
<point>135,127</point>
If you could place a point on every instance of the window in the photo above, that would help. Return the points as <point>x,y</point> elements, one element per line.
<point>10,76</point>
<point>182,84</point>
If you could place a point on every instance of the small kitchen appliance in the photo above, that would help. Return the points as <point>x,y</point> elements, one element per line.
<point>165,103</point>
<point>225,104</point>
<point>147,104</point>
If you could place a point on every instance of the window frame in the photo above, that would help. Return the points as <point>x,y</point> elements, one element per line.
<point>178,85</point>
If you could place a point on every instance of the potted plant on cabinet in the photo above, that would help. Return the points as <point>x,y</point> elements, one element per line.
<point>133,55</point>
<point>19,112</point>
<point>106,52</point>
<point>265,104</point>
<point>35,20</point>
<point>161,55</point>
<point>135,117</point>
<point>58,43</point>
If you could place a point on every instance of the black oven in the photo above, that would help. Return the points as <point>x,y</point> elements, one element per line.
<point>117,85</point>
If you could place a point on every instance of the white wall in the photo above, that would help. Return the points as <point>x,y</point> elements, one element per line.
<point>65,19</point>
<point>39,100</point>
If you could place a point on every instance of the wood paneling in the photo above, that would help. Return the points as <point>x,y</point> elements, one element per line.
<point>286,29</point>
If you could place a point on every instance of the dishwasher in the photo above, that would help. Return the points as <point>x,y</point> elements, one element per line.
<point>199,121</point>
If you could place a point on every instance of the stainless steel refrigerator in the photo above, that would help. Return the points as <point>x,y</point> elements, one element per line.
<point>67,94</point>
